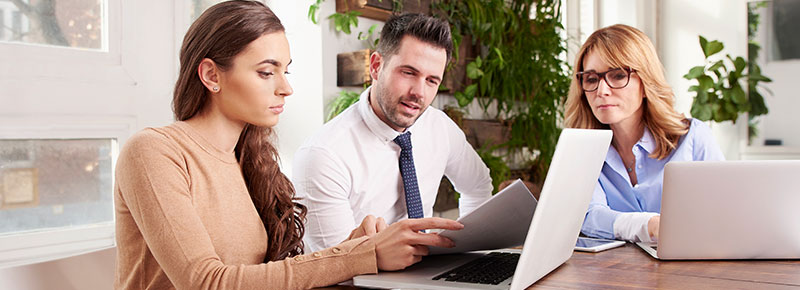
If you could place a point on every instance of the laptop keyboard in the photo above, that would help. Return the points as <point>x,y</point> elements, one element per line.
<point>492,268</point>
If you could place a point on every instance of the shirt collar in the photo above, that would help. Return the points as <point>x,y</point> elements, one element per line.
<point>381,130</point>
<point>647,142</point>
<point>614,160</point>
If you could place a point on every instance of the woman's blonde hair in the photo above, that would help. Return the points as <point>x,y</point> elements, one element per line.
<point>622,46</point>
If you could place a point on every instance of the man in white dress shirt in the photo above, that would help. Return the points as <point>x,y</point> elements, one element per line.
<point>353,166</point>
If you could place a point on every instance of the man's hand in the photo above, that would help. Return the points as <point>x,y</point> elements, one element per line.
<point>369,227</point>
<point>402,244</point>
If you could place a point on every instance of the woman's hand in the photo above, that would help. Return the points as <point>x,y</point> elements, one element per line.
<point>652,227</point>
<point>369,227</point>
<point>402,244</point>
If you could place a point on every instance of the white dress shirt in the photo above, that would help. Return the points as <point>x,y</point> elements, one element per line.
<point>349,169</point>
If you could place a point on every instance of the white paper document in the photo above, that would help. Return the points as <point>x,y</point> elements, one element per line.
<point>502,221</point>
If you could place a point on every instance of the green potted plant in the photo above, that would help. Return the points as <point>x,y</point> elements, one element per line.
<point>513,67</point>
<point>719,92</point>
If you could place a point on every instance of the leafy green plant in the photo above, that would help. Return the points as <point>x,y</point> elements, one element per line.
<point>343,21</point>
<point>343,101</point>
<point>313,9</point>
<point>719,94</point>
<point>753,48</point>
<point>368,37</point>
<point>498,168</point>
<point>519,67</point>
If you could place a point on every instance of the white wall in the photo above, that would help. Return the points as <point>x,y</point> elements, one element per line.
<point>303,114</point>
<point>680,22</point>
<point>782,119</point>
<point>151,37</point>
<point>90,271</point>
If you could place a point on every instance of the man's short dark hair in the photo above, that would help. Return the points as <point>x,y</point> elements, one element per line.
<point>427,29</point>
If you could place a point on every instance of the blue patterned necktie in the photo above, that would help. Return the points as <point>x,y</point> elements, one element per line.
<point>413,201</point>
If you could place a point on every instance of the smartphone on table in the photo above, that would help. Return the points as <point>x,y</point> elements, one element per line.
<point>585,244</point>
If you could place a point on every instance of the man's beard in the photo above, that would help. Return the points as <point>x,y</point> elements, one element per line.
<point>390,110</point>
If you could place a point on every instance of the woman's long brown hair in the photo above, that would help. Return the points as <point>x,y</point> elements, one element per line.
<point>219,34</point>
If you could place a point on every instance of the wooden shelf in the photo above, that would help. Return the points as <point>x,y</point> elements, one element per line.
<point>352,68</point>
<point>381,10</point>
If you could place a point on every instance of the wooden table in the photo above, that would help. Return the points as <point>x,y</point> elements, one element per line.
<point>629,267</point>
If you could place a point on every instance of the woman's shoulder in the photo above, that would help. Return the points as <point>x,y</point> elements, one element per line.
<point>698,129</point>
<point>159,140</point>
<point>702,141</point>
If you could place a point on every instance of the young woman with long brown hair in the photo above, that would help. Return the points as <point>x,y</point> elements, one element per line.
<point>202,203</point>
<point>619,84</point>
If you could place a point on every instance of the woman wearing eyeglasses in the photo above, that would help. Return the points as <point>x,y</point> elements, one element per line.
<point>619,84</point>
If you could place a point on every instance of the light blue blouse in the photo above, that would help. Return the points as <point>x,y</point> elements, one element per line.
<point>614,194</point>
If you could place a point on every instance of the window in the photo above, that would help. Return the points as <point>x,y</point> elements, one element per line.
<point>66,107</point>
<point>56,178</point>
<point>784,43</point>
<point>589,15</point>
<point>587,19</point>
<point>71,23</point>
<point>51,183</point>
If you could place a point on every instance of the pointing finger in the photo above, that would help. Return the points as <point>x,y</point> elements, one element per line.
<point>434,223</point>
<point>431,240</point>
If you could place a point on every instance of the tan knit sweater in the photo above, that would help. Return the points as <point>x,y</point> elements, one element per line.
<point>185,220</point>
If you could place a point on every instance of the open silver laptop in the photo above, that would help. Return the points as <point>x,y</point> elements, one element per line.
<point>729,210</point>
<point>554,228</point>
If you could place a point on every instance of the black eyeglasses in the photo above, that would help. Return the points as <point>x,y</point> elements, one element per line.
<point>615,78</point>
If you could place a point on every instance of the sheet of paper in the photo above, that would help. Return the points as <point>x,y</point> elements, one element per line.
<point>500,222</point>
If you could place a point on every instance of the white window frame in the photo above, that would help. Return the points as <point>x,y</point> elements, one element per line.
<point>50,244</point>
<point>76,61</point>
<point>29,65</point>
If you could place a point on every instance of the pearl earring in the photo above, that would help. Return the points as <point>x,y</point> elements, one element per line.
<point>216,89</point>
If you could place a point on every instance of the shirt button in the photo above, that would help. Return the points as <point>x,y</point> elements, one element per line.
<point>298,258</point>
<point>336,250</point>
<point>640,166</point>
<point>317,255</point>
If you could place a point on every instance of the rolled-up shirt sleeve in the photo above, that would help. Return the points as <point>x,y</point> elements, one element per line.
<point>599,221</point>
